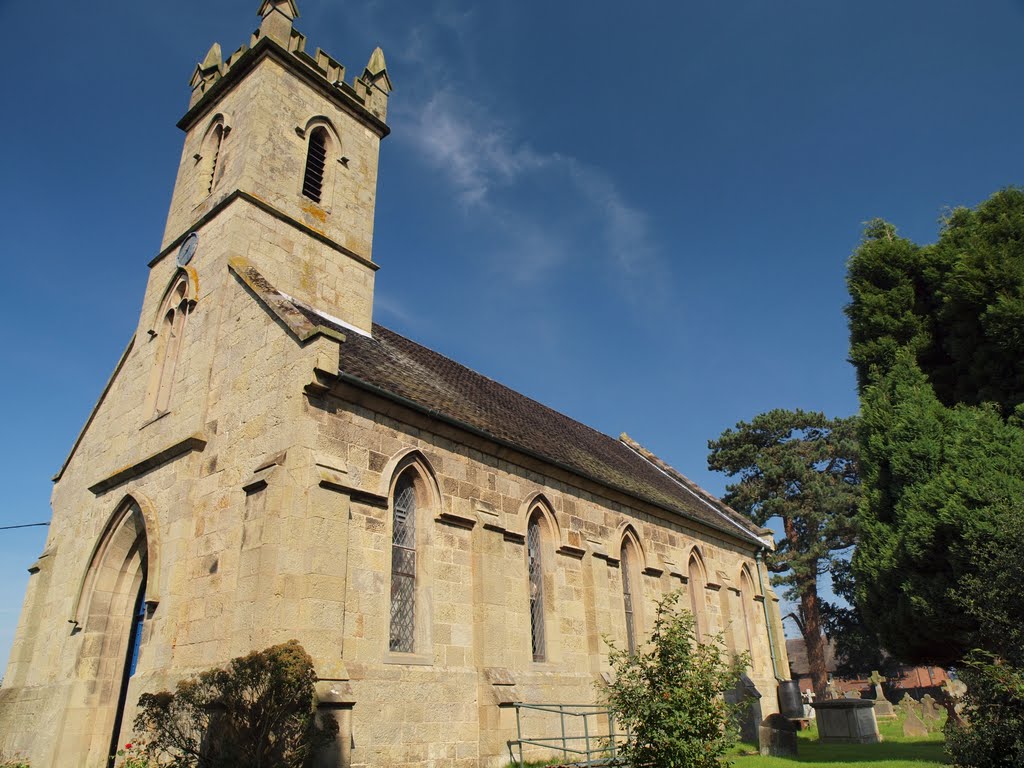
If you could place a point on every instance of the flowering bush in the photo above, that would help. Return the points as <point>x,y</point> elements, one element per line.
<point>131,757</point>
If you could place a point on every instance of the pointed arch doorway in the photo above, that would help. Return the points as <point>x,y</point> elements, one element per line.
<point>110,615</point>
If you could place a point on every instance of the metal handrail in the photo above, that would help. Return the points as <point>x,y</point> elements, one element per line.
<point>598,749</point>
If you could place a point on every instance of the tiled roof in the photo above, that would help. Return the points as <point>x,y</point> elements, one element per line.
<point>393,366</point>
<point>796,650</point>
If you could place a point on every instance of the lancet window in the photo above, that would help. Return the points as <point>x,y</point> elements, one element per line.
<point>535,562</point>
<point>169,332</point>
<point>747,606</point>
<point>696,588</point>
<point>403,567</point>
<point>626,565</point>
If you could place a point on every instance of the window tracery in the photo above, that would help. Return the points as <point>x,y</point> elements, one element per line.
<point>171,327</point>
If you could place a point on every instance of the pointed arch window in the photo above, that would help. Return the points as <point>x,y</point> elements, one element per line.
<point>403,567</point>
<point>217,139</point>
<point>210,157</point>
<point>626,565</point>
<point>696,590</point>
<point>169,332</point>
<point>747,613</point>
<point>535,566</point>
<point>316,164</point>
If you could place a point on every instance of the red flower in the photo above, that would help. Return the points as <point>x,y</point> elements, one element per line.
<point>128,745</point>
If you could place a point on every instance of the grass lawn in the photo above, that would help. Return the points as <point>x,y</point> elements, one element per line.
<point>895,752</point>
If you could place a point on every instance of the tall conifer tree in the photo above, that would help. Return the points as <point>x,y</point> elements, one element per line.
<point>937,336</point>
<point>800,467</point>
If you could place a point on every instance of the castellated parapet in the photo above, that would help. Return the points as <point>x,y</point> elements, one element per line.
<point>370,89</point>
<point>249,127</point>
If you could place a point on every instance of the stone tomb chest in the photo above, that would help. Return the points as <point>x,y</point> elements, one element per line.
<point>847,721</point>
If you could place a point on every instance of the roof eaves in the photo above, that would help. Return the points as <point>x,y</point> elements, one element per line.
<point>717,506</point>
<point>730,530</point>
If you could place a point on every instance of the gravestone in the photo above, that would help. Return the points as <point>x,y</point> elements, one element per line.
<point>750,718</point>
<point>777,737</point>
<point>929,709</point>
<point>955,690</point>
<point>851,695</point>
<point>913,726</point>
<point>808,698</point>
<point>908,705</point>
<point>847,721</point>
<point>883,708</point>
<point>831,690</point>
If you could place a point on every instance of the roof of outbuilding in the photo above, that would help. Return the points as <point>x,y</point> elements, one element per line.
<point>796,650</point>
<point>396,367</point>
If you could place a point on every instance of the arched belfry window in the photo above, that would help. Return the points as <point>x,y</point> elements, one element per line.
<point>316,164</point>
<point>210,156</point>
<point>214,164</point>
<point>168,334</point>
<point>695,587</point>
<point>535,568</point>
<point>403,566</point>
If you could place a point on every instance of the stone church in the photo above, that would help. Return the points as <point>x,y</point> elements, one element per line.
<point>267,463</point>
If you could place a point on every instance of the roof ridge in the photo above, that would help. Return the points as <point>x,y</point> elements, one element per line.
<point>707,497</point>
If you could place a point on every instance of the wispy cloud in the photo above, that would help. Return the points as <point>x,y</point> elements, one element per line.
<point>476,155</point>
<point>494,174</point>
<point>544,207</point>
<point>382,302</point>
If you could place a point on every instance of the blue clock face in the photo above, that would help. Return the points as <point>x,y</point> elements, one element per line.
<point>188,249</point>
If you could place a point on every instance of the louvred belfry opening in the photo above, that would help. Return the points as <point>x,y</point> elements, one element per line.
<point>316,161</point>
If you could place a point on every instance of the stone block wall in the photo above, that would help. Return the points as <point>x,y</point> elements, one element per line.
<point>474,585</point>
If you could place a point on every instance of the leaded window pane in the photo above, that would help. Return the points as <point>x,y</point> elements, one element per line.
<point>627,599</point>
<point>533,549</point>
<point>403,570</point>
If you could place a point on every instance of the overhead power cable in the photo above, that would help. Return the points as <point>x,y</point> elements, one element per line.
<point>26,525</point>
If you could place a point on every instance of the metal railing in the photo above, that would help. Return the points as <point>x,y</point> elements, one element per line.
<point>597,745</point>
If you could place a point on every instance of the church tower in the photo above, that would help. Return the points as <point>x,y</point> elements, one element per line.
<point>266,463</point>
<point>279,164</point>
<point>165,556</point>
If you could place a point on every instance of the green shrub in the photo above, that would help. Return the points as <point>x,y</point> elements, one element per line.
<point>993,734</point>
<point>259,711</point>
<point>670,695</point>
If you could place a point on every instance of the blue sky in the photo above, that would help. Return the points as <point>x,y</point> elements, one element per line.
<point>638,214</point>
